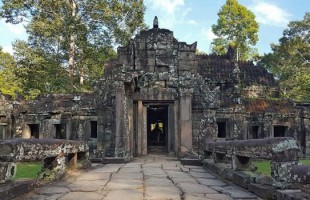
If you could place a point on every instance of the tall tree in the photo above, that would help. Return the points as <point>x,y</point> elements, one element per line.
<point>290,60</point>
<point>9,83</point>
<point>236,27</point>
<point>39,72</point>
<point>73,31</point>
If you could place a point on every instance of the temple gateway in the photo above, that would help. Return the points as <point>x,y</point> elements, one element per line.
<point>159,96</point>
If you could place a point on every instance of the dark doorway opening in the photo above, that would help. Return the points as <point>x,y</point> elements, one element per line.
<point>60,131</point>
<point>34,129</point>
<point>254,132</point>
<point>93,129</point>
<point>221,129</point>
<point>157,128</point>
<point>279,131</point>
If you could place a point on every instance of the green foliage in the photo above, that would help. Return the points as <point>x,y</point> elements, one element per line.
<point>199,52</point>
<point>290,60</point>
<point>28,170</point>
<point>38,71</point>
<point>9,83</point>
<point>69,38</point>
<point>235,27</point>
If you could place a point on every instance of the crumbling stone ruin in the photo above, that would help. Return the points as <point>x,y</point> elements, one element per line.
<point>232,160</point>
<point>159,96</point>
<point>56,156</point>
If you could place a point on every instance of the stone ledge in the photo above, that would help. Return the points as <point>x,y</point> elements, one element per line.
<point>96,160</point>
<point>193,162</point>
<point>17,188</point>
<point>237,177</point>
<point>291,194</point>
<point>114,160</point>
<point>245,180</point>
<point>263,191</point>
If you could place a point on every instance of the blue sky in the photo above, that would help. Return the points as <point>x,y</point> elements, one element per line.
<point>191,20</point>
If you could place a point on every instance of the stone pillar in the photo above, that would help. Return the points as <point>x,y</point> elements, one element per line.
<point>208,128</point>
<point>26,132</point>
<point>140,128</point>
<point>41,130</point>
<point>144,133</point>
<point>285,156</point>
<point>176,127</point>
<point>68,130</point>
<point>186,121</point>
<point>100,129</point>
<point>307,132</point>
<point>281,173</point>
<point>130,126</point>
<point>7,171</point>
<point>72,161</point>
<point>119,97</point>
<point>171,128</point>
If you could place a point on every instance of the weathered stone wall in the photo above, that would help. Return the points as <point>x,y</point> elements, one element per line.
<point>6,120</point>
<point>56,117</point>
<point>197,116</point>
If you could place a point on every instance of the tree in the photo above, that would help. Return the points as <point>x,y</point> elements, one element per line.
<point>290,60</point>
<point>39,72</point>
<point>236,27</point>
<point>73,31</point>
<point>9,83</point>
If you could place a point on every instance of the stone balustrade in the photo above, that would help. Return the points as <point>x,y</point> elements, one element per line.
<point>301,177</point>
<point>282,153</point>
<point>57,156</point>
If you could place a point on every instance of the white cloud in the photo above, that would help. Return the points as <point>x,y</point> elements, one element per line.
<point>167,5</point>
<point>208,35</point>
<point>269,14</point>
<point>192,22</point>
<point>8,49</point>
<point>171,12</point>
<point>17,29</point>
<point>183,19</point>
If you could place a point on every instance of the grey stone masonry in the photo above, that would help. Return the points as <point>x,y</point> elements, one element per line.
<point>53,153</point>
<point>155,177</point>
<point>282,152</point>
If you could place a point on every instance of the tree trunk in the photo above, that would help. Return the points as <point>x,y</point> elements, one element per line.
<point>72,47</point>
<point>81,76</point>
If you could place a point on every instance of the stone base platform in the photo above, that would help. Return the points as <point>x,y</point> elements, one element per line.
<point>112,160</point>
<point>189,161</point>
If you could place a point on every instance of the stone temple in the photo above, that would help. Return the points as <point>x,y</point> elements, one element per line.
<point>159,96</point>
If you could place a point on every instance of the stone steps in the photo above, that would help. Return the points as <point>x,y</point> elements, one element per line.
<point>157,150</point>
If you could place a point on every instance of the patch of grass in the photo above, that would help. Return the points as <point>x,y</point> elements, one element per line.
<point>28,170</point>
<point>263,167</point>
<point>305,162</point>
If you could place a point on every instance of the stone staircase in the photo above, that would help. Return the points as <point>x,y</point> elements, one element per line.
<point>161,150</point>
